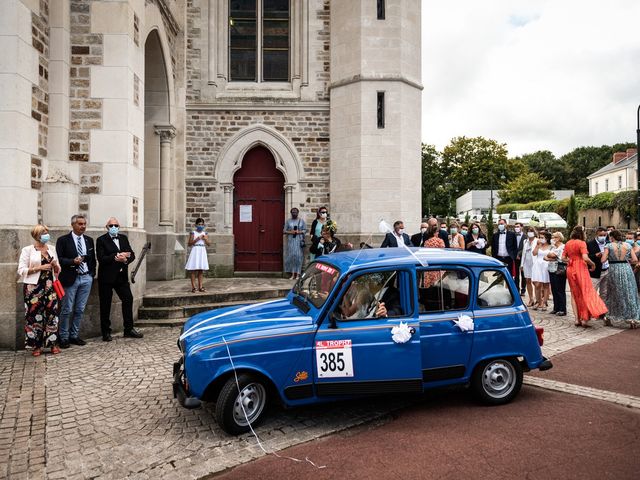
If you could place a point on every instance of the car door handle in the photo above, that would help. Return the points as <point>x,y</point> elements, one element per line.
<point>412,330</point>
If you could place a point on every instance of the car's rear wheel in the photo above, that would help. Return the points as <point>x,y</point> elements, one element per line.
<point>238,409</point>
<point>497,381</point>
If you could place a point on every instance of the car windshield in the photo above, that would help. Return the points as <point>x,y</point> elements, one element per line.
<point>550,216</point>
<point>316,283</point>
<point>526,214</point>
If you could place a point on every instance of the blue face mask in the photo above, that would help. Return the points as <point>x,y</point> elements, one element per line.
<point>45,237</point>
<point>199,228</point>
<point>629,241</point>
<point>113,231</point>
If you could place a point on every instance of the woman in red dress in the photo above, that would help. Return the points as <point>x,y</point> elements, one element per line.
<point>586,302</point>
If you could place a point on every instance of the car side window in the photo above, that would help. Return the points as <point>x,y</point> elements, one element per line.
<point>493,290</point>
<point>442,290</point>
<point>365,294</point>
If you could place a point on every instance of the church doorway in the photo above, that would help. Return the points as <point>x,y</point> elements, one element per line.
<point>258,213</point>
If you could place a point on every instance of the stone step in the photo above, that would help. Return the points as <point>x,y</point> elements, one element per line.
<point>167,322</point>
<point>181,312</point>
<point>213,298</point>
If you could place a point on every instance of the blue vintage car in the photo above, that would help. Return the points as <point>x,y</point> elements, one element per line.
<point>363,322</point>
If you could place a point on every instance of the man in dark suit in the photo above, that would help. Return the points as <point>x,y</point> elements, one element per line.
<point>397,237</point>
<point>521,282</point>
<point>418,239</point>
<point>595,249</point>
<point>77,257</point>
<point>114,256</point>
<point>504,246</point>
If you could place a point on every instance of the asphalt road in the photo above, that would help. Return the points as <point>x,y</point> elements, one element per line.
<point>541,435</point>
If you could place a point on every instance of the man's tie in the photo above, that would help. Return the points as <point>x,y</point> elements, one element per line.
<point>80,248</point>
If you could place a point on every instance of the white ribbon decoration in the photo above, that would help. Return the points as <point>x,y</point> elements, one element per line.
<point>401,333</point>
<point>464,323</point>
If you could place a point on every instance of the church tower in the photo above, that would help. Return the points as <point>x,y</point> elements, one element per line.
<point>375,115</point>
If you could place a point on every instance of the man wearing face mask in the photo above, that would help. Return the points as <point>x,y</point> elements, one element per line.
<point>418,239</point>
<point>595,249</point>
<point>504,246</point>
<point>397,237</point>
<point>114,254</point>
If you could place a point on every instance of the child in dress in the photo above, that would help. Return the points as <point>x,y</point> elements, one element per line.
<point>197,262</point>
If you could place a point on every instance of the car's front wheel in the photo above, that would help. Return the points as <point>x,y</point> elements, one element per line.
<point>497,381</point>
<point>239,408</point>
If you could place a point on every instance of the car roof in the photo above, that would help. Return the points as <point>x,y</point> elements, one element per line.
<point>402,257</point>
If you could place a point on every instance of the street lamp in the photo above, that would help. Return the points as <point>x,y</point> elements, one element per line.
<point>638,164</point>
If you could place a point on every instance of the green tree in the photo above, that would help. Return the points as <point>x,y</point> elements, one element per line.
<point>547,166</point>
<point>478,163</point>
<point>583,161</point>
<point>433,200</point>
<point>530,187</point>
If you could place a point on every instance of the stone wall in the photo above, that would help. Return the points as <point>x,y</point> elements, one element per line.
<point>209,131</point>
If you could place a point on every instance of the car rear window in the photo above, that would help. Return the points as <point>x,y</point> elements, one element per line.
<point>493,290</point>
<point>442,290</point>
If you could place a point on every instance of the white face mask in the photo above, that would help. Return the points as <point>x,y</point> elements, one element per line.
<point>517,229</point>
<point>601,239</point>
<point>323,215</point>
<point>401,231</point>
<point>531,234</point>
<point>423,230</point>
<point>542,240</point>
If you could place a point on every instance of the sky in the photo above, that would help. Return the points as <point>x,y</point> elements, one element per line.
<point>534,74</point>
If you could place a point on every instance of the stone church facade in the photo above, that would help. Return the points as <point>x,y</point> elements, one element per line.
<point>161,111</point>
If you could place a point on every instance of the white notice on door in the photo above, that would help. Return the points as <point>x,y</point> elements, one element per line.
<point>246,213</point>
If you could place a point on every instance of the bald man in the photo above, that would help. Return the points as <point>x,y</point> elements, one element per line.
<point>432,223</point>
<point>114,254</point>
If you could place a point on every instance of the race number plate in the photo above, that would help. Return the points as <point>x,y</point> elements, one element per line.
<point>333,358</point>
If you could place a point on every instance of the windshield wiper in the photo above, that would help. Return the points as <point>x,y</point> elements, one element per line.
<point>300,302</point>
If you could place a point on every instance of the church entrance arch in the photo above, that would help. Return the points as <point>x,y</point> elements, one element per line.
<point>258,213</point>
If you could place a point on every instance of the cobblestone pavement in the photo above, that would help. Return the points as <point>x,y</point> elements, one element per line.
<point>106,411</point>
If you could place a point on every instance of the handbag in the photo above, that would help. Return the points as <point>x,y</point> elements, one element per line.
<point>58,288</point>
<point>562,269</point>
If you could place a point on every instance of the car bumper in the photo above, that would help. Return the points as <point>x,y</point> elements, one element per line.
<point>545,364</point>
<point>179,390</point>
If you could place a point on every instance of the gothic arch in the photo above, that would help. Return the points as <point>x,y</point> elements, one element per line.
<point>284,153</point>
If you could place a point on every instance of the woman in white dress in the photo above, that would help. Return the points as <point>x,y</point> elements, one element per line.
<point>540,271</point>
<point>197,262</point>
<point>457,239</point>
<point>526,264</point>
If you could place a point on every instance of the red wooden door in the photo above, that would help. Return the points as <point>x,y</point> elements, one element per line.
<point>258,213</point>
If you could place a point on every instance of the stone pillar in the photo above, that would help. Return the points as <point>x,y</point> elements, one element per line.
<point>288,199</point>
<point>228,207</point>
<point>166,134</point>
<point>375,166</point>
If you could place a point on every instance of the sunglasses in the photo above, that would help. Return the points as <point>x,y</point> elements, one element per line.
<point>323,211</point>
<point>113,225</point>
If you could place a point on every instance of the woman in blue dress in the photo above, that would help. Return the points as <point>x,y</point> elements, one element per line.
<point>294,229</point>
<point>622,295</point>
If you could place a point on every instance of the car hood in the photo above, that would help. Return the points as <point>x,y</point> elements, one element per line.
<point>210,327</point>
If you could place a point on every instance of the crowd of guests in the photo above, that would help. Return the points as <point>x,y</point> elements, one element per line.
<point>603,274</point>
<point>57,282</point>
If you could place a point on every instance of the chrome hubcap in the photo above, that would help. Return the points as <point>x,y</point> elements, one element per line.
<point>498,378</point>
<point>249,404</point>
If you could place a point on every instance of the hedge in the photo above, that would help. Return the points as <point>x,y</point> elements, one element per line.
<point>625,202</point>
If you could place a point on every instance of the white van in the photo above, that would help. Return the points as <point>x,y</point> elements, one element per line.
<point>521,216</point>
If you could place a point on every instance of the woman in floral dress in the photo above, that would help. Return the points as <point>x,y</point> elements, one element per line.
<point>622,295</point>
<point>37,266</point>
